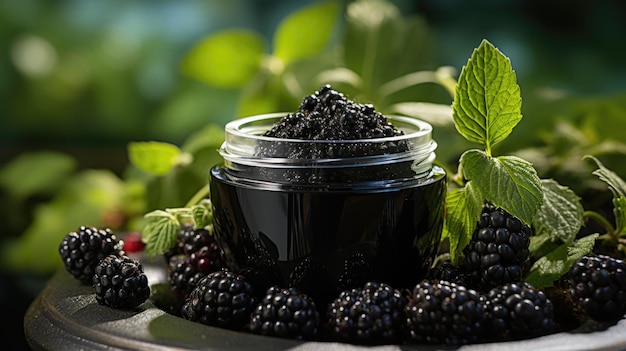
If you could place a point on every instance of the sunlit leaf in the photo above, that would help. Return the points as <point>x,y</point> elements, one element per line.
<point>340,75</point>
<point>619,211</point>
<point>508,182</point>
<point>561,215</point>
<point>380,44</point>
<point>614,181</point>
<point>202,214</point>
<point>306,31</point>
<point>36,173</point>
<point>227,59</point>
<point>463,208</point>
<point>154,157</point>
<point>81,200</point>
<point>549,268</point>
<point>160,232</point>
<point>487,103</point>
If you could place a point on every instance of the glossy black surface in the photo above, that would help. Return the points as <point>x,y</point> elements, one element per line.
<point>397,228</point>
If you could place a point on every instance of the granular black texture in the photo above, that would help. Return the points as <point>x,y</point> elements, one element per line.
<point>328,115</point>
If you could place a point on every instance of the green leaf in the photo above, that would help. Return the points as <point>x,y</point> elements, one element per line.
<point>211,136</point>
<point>306,31</point>
<point>202,214</point>
<point>463,208</point>
<point>227,59</point>
<point>615,182</point>
<point>340,75</point>
<point>487,102</point>
<point>23,176</point>
<point>82,199</point>
<point>154,157</point>
<point>561,215</point>
<point>549,268</point>
<point>381,44</point>
<point>160,232</point>
<point>541,245</point>
<point>619,210</point>
<point>508,182</point>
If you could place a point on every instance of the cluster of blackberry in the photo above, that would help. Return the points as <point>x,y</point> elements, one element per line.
<point>483,299</point>
<point>95,256</point>
<point>194,255</point>
<point>452,306</point>
<point>598,287</point>
<point>496,262</point>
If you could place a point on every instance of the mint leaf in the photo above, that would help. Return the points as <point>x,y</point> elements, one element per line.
<point>463,207</point>
<point>487,102</point>
<point>618,188</point>
<point>542,244</point>
<point>616,184</point>
<point>226,59</point>
<point>154,157</point>
<point>619,210</point>
<point>561,215</point>
<point>160,233</point>
<point>508,182</point>
<point>549,268</point>
<point>305,32</point>
<point>202,214</point>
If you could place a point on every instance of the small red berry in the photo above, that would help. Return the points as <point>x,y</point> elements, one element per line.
<point>133,243</point>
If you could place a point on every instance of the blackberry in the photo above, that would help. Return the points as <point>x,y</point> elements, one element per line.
<point>441,312</point>
<point>517,311</point>
<point>372,315</point>
<point>189,240</point>
<point>598,284</point>
<point>223,298</point>
<point>184,271</point>
<point>447,271</point>
<point>286,313</point>
<point>83,249</point>
<point>498,250</point>
<point>120,282</point>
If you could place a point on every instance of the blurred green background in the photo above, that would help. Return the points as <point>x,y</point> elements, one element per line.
<point>80,80</point>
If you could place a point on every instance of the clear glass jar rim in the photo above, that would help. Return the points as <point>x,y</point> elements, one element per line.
<point>242,136</point>
<point>239,128</point>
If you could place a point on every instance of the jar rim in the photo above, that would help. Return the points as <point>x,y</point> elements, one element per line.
<point>413,152</point>
<point>245,127</point>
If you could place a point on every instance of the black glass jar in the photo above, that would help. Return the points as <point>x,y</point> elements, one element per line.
<point>372,211</point>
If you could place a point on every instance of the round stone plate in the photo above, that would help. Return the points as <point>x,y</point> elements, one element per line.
<point>66,316</point>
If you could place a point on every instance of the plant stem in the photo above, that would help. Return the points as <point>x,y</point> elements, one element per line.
<point>407,80</point>
<point>602,221</point>
<point>201,194</point>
